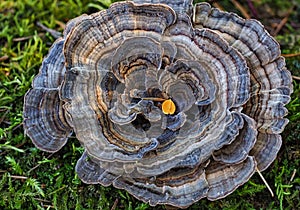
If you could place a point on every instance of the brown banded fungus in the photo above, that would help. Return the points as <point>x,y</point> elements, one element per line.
<point>171,102</point>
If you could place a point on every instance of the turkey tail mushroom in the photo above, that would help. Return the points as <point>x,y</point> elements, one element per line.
<point>171,102</point>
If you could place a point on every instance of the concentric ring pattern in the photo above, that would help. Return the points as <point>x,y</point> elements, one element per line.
<point>172,102</point>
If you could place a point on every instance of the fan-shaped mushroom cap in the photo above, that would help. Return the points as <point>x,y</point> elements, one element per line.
<point>45,120</point>
<point>270,80</point>
<point>171,103</point>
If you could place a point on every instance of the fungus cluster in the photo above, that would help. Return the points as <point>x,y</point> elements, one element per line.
<point>171,102</point>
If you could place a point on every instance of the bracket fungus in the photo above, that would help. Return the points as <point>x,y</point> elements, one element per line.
<point>171,102</point>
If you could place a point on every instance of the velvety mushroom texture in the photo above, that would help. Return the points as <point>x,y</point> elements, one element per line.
<point>172,102</point>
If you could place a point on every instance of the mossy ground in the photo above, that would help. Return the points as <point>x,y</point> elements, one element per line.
<point>32,179</point>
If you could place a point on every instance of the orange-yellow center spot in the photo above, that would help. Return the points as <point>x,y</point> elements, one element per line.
<point>168,107</point>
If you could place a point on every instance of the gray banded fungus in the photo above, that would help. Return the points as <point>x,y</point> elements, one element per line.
<point>171,102</point>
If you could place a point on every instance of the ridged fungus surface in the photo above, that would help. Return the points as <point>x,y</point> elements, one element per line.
<point>171,102</point>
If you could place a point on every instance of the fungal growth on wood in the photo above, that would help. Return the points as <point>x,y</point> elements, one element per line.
<point>171,102</point>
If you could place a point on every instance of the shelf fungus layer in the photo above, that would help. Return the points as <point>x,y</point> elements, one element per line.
<point>172,102</point>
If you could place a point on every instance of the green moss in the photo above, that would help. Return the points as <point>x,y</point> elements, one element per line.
<point>32,179</point>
